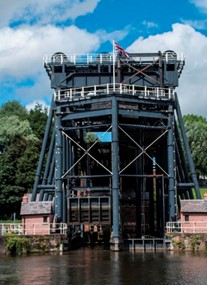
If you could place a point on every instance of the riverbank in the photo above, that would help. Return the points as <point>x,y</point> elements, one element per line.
<point>12,244</point>
<point>189,241</point>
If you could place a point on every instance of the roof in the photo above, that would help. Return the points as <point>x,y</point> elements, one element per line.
<point>193,206</point>
<point>36,208</point>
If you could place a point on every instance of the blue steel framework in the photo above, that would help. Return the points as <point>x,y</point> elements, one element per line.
<point>131,184</point>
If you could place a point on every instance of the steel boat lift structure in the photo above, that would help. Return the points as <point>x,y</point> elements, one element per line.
<point>115,154</point>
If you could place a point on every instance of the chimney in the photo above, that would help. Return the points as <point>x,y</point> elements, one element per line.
<point>25,199</point>
<point>205,196</point>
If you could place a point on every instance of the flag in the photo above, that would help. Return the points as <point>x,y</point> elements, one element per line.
<point>120,51</point>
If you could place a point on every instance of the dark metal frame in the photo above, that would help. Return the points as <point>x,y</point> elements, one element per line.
<point>149,125</point>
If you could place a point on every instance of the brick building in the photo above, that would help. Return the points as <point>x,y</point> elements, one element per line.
<point>194,215</point>
<point>37,217</point>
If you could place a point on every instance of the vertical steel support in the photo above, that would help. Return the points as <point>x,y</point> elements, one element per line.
<point>58,167</point>
<point>48,165</point>
<point>43,150</point>
<point>171,165</point>
<point>49,159</point>
<point>187,147</point>
<point>115,176</point>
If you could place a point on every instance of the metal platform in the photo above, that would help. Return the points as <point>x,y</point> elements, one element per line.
<point>146,244</point>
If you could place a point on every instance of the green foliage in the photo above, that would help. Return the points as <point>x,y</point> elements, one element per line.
<point>196,131</point>
<point>41,243</point>
<point>21,134</point>
<point>13,108</point>
<point>195,242</point>
<point>26,167</point>
<point>12,127</point>
<point>179,243</point>
<point>90,138</point>
<point>37,119</point>
<point>18,245</point>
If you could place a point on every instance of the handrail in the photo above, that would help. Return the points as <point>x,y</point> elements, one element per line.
<point>107,57</point>
<point>186,227</point>
<point>96,90</point>
<point>33,228</point>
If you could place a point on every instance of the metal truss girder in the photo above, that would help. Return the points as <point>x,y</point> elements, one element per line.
<point>141,71</point>
<point>147,114</point>
<point>85,127</point>
<point>143,150</point>
<point>144,126</point>
<point>142,100</point>
<point>101,98</point>
<point>143,175</point>
<point>89,114</point>
<point>86,152</point>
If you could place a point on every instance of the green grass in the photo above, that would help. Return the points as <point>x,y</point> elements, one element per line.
<point>203,191</point>
<point>10,221</point>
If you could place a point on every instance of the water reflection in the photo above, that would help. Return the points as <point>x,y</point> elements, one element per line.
<point>103,267</point>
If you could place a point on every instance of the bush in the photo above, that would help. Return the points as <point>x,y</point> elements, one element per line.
<point>195,242</point>
<point>18,245</point>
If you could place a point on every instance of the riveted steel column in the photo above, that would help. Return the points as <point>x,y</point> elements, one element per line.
<point>58,167</point>
<point>171,166</point>
<point>43,150</point>
<point>115,175</point>
<point>187,148</point>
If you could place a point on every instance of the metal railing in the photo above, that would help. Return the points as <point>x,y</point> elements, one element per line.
<point>107,57</point>
<point>33,228</point>
<point>105,89</point>
<point>186,227</point>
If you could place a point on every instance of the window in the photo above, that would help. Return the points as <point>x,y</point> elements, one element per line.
<point>186,218</point>
<point>45,219</point>
<point>170,67</point>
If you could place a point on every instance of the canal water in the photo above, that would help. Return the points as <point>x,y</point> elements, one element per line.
<point>103,267</point>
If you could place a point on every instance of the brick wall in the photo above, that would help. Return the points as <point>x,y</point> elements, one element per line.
<point>37,224</point>
<point>197,222</point>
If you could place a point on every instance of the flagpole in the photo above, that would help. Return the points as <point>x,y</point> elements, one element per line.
<point>114,59</point>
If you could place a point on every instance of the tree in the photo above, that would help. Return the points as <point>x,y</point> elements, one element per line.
<point>10,192</point>
<point>12,127</point>
<point>13,108</point>
<point>38,118</point>
<point>196,131</point>
<point>21,135</point>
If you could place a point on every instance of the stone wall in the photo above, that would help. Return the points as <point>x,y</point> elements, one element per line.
<point>37,243</point>
<point>189,242</point>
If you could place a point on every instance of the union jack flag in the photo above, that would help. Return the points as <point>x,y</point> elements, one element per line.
<point>120,51</point>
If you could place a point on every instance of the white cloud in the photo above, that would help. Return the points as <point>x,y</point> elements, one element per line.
<point>118,35</point>
<point>201,4</point>
<point>149,24</point>
<point>192,91</point>
<point>22,50</point>
<point>197,24</point>
<point>47,11</point>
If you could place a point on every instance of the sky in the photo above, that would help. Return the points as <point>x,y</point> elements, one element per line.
<point>30,30</point>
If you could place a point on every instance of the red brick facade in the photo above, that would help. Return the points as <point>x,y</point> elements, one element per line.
<point>194,215</point>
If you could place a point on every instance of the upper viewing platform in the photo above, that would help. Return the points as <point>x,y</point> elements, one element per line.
<point>149,72</point>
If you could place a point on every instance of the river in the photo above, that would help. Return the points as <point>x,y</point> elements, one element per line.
<point>103,267</point>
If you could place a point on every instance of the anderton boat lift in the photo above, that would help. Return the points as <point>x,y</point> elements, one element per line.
<point>115,160</point>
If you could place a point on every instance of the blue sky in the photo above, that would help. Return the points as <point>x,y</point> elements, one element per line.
<point>32,29</point>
